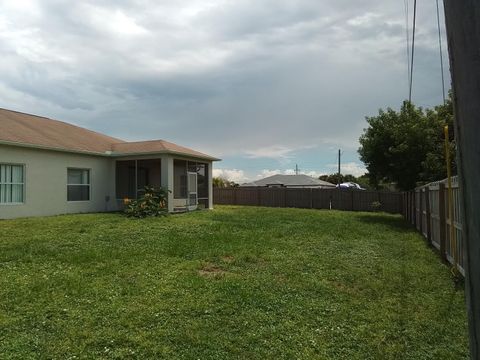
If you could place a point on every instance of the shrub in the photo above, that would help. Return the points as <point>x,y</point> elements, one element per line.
<point>376,205</point>
<point>153,202</point>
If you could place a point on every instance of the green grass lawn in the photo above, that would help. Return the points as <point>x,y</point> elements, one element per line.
<point>233,283</point>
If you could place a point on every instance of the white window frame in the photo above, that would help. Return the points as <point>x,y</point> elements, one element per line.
<point>89,184</point>
<point>11,183</point>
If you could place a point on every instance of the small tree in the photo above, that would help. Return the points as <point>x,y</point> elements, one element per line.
<point>220,182</point>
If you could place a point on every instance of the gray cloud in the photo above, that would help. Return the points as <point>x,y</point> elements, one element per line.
<point>229,77</point>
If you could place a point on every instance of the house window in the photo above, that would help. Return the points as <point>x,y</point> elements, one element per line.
<point>78,185</point>
<point>12,184</point>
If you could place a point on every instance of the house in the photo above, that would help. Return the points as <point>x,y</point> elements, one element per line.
<point>290,181</point>
<point>49,167</point>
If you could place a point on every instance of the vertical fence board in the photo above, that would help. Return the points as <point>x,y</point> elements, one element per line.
<point>443,221</point>
<point>428,210</point>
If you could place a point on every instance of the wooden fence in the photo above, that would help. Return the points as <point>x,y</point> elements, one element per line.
<point>427,209</point>
<point>339,199</point>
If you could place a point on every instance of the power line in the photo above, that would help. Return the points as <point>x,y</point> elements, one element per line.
<point>441,52</point>
<point>413,48</point>
<point>407,34</point>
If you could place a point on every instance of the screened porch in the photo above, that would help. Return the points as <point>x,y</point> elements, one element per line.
<point>187,180</point>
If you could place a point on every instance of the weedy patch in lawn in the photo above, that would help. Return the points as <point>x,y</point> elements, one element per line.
<point>227,259</point>
<point>210,270</point>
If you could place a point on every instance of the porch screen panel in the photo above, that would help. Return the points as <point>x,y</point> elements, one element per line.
<point>192,189</point>
<point>180,179</point>
<point>11,184</point>
<point>148,174</point>
<point>202,180</point>
<point>125,179</point>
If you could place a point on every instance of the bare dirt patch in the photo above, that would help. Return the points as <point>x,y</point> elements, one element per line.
<point>211,270</point>
<point>228,259</point>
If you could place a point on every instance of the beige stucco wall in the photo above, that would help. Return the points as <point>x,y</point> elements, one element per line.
<point>46,182</point>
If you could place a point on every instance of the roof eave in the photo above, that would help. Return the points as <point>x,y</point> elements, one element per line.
<point>51,148</point>
<point>163,152</point>
<point>106,153</point>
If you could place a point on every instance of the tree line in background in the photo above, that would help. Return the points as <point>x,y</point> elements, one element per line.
<point>221,182</point>
<point>407,147</point>
<point>363,180</point>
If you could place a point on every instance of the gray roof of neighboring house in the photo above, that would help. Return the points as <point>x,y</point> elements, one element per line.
<point>290,180</point>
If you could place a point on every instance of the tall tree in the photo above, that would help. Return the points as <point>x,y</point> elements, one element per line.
<point>406,146</point>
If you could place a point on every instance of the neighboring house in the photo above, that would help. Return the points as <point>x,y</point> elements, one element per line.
<point>49,167</point>
<point>290,181</point>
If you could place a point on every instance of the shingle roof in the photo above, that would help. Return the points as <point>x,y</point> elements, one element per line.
<point>156,146</point>
<point>291,180</point>
<point>18,128</point>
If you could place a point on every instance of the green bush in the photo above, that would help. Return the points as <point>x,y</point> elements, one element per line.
<point>376,205</point>
<point>153,202</point>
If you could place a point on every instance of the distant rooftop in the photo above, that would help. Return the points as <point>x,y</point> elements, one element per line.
<point>21,129</point>
<point>290,181</point>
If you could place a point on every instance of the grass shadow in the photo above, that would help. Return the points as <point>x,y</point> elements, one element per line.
<point>396,223</point>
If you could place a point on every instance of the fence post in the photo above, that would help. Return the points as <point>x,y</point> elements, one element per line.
<point>284,197</point>
<point>259,202</point>
<point>428,214</point>
<point>420,211</point>
<point>311,198</point>
<point>443,221</point>
<point>410,211</point>
<point>234,196</point>
<point>415,208</point>
<point>402,204</point>
<point>405,205</point>
<point>407,208</point>
<point>339,207</point>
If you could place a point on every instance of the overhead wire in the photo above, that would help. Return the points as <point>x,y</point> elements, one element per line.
<point>407,36</point>
<point>413,49</point>
<point>441,52</point>
<point>412,53</point>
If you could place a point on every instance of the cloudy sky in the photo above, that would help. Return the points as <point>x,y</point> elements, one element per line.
<point>263,84</point>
